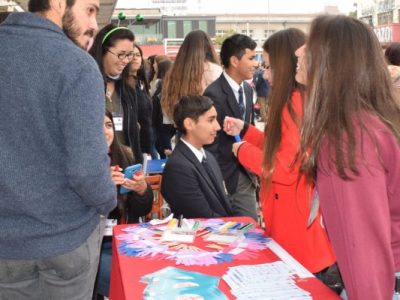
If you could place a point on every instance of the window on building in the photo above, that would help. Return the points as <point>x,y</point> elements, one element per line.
<point>367,20</point>
<point>268,33</point>
<point>249,32</point>
<point>171,29</point>
<point>385,18</point>
<point>203,26</point>
<point>219,32</point>
<point>187,27</point>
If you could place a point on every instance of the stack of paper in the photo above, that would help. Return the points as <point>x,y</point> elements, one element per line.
<point>173,283</point>
<point>271,281</point>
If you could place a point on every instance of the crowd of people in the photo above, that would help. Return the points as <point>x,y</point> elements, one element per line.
<point>80,105</point>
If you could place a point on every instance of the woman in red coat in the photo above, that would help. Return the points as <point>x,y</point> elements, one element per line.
<point>285,195</point>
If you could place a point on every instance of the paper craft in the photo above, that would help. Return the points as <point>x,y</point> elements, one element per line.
<point>173,283</point>
<point>225,237</point>
<point>173,242</point>
<point>163,221</point>
<point>178,235</point>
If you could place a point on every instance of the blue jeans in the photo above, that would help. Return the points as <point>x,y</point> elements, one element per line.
<point>69,276</point>
<point>104,275</point>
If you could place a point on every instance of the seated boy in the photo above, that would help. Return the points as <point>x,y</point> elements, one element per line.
<point>192,181</point>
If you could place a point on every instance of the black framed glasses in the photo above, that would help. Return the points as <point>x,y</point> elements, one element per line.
<point>122,56</point>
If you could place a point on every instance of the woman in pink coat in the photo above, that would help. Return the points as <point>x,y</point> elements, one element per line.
<point>351,147</point>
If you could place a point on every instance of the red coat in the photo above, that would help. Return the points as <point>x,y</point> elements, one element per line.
<point>286,205</point>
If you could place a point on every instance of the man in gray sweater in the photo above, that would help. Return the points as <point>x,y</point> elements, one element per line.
<point>54,180</point>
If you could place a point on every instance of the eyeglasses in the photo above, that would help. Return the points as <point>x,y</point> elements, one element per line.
<point>122,56</point>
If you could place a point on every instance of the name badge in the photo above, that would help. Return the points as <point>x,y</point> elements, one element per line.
<point>118,122</point>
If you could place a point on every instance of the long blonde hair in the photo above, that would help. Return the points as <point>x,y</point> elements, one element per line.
<point>185,76</point>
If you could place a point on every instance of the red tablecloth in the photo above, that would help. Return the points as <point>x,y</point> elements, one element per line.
<point>126,271</point>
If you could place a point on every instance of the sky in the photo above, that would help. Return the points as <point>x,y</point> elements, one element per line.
<point>259,6</point>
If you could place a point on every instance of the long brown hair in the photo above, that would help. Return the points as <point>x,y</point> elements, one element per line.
<point>280,47</point>
<point>185,76</point>
<point>347,76</point>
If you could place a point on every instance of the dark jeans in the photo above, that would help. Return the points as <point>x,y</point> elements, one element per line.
<point>153,150</point>
<point>104,275</point>
<point>332,278</point>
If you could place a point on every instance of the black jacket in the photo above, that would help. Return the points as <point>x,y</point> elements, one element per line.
<point>131,205</point>
<point>130,121</point>
<point>226,105</point>
<point>145,108</point>
<point>188,188</point>
<point>157,116</point>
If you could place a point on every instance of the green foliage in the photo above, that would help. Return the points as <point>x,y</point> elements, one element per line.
<point>220,39</point>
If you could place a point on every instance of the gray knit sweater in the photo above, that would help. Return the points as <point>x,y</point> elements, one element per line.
<point>54,168</point>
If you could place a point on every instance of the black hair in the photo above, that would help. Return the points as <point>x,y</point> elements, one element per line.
<point>235,45</point>
<point>99,49</point>
<point>392,54</point>
<point>44,5</point>
<point>151,73</point>
<point>190,107</point>
<point>163,67</point>
<point>141,73</point>
<point>119,154</point>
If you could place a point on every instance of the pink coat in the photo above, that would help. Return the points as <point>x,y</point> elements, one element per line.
<point>362,215</point>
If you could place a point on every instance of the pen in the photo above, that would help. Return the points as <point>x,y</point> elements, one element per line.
<point>196,225</point>
<point>236,226</point>
<point>180,221</point>
<point>231,225</point>
<point>245,224</point>
<point>225,227</point>
<point>247,227</point>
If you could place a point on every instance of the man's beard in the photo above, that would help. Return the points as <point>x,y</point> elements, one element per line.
<point>71,30</point>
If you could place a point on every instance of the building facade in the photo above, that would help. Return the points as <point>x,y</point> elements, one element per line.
<point>156,28</point>
<point>261,26</point>
<point>383,16</point>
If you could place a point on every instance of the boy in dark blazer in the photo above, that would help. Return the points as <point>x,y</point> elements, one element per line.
<point>233,96</point>
<point>192,181</point>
